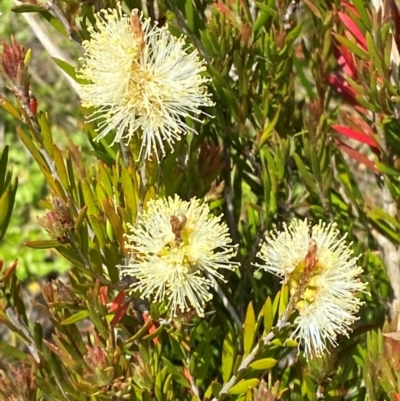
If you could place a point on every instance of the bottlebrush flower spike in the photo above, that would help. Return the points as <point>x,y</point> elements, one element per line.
<point>173,245</point>
<point>142,80</point>
<point>322,275</point>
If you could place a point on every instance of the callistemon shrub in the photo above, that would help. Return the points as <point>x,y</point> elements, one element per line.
<point>199,200</point>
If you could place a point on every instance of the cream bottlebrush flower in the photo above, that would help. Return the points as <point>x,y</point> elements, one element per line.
<point>173,245</point>
<point>321,273</point>
<point>141,79</point>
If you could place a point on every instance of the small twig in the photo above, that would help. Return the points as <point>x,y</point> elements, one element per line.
<point>185,28</point>
<point>286,19</point>
<point>228,194</point>
<point>224,299</point>
<point>192,381</point>
<point>50,47</point>
<point>126,155</point>
<point>21,326</point>
<point>143,186</point>
<point>53,6</point>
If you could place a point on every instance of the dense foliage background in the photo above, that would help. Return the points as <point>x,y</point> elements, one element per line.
<point>305,124</point>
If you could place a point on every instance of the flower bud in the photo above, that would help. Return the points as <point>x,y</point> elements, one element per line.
<point>12,66</point>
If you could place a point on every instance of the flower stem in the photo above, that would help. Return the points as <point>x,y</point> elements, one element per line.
<point>266,340</point>
<point>224,299</point>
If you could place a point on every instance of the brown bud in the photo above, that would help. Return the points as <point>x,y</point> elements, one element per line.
<point>137,28</point>
<point>178,224</point>
<point>52,224</point>
<point>96,358</point>
<point>58,222</point>
<point>13,65</point>
<point>18,384</point>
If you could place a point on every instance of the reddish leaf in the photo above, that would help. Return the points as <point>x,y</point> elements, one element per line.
<point>153,327</point>
<point>222,8</point>
<point>187,375</point>
<point>117,302</point>
<point>341,86</point>
<point>397,396</point>
<point>350,6</point>
<point>356,156</point>
<point>354,121</point>
<point>120,313</point>
<point>9,271</point>
<point>358,136</point>
<point>103,295</point>
<point>345,60</point>
<point>353,29</point>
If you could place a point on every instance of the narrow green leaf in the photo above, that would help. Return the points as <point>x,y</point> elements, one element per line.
<point>7,349</point>
<point>130,195</point>
<point>305,174</point>
<point>352,47</point>
<point>275,304</point>
<point>3,169</point>
<point>75,318</point>
<point>263,364</point>
<point>60,166</point>
<point>98,229</point>
<point>268,130</point>
<point>115,222</point>
<point>32,149</point>
<point>70,255</point>
<point>228,357</point>
<point>377,59</point>
<point>362,11</point>
<point>268,315</point>
<point>43,244</point>
<point>89,199</point>
<point>27,8</point>
<point>9,108</point>
<point>243,386</point>
<point>80,218</point>
<point>383,168</point>
<point>189,10</point>
<point>283,299</point>
<point>216,388</point>
<point>68,69</point>
<point>6,207</point>
<point>224,90</point>
<point>54,22</point>
<point>303,79</point>
<point>249,329</point>
<point>46,133</point>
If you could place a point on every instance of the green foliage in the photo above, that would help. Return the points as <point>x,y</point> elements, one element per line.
<point>8,189</point>
<point>305,124</point>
